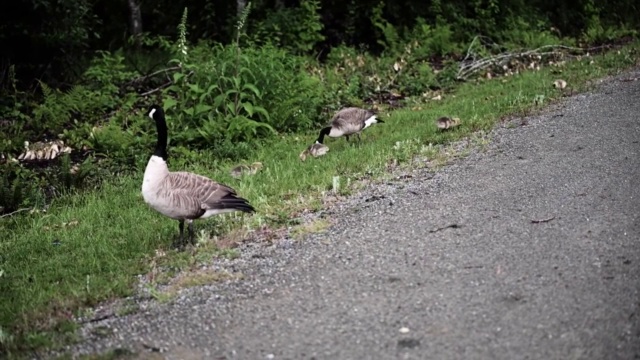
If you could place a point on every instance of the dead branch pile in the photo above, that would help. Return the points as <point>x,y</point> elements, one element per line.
<point>481,58</point>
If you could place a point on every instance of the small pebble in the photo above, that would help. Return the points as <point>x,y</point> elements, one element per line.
<point>404,330</point>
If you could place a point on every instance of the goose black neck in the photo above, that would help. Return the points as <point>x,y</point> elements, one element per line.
<point>323,132</point>
<point>161,145</point>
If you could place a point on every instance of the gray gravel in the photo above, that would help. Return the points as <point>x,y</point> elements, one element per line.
<point>390,280</point>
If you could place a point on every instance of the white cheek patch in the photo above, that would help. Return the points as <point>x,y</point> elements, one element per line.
<point>153,111</point>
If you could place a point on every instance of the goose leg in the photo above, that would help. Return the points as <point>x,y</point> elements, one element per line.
<point>181,227</point>
<point>191,231</point>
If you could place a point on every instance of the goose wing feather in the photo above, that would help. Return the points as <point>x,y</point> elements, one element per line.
<point>199,194</point>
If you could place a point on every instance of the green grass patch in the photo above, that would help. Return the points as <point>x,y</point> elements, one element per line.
<point>92,247</point>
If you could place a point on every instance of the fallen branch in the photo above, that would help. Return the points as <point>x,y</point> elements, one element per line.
<point>472,63</point>
<point>543,220</point>
<point>145,77</point>
<point>156,89</point>
<point>15,212</point>
<point>167,84</point>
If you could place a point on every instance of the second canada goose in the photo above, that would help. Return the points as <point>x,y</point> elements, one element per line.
<point>445,122</point>
<point>314,150</point>
<point>347,122</point>
<point>182,195</point>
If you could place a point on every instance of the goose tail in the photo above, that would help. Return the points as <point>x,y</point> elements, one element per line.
<point>233,202</point>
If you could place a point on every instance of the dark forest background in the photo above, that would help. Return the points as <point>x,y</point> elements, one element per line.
<point>233,74</point>
<point>54,41</point>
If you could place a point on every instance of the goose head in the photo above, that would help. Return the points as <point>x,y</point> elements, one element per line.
<point>155,112</point>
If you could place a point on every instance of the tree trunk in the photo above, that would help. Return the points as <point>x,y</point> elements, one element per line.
<point>240,4</point>
<point>135,20</point>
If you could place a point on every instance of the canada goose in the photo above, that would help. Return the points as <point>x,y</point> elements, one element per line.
<point>314,150</point>
<point>239,170</point>
<point>181,195</point>
<point>445,122</point>
<point>349,121</point>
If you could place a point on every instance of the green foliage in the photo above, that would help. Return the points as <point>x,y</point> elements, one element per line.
<point>387,34</point>
<point>429,41</point>
<point>596,30</point>
<point>520,33</point>
<point>296,29</point>
<point>13,106</point>
<point>19,187</point>
<point>225,95</point>
<point>107,71</point>
<point>206,103</point>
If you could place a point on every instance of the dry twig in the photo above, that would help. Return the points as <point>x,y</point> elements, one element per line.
<point>452,226</point>
<point>543,220</point>
<point>145,77</point>
<point>15,212</point>
<point>156,89</point>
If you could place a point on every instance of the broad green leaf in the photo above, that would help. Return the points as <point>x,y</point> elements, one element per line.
<point>231,91</point>
<point>248,107</point>
<point>231,107</point>
<point>177,76</point>
<point>195,88</point>
<point>169,103</point>
<point>263,111</point>
<point>219,100</point>
<point>201,108</point>
<point>252,88</point>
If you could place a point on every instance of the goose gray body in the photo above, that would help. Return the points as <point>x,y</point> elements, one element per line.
<point>186,196</point>
<point>181,195</point>
<point>347,122</point>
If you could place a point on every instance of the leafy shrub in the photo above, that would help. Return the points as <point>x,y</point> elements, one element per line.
<point>387,35</point>
<point>520,33</point>
<point>226,95</point>
<point>295,29</point>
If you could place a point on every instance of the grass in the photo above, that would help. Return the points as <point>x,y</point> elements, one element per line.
<point>92,247</point>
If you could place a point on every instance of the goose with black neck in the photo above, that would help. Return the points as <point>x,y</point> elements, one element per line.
<point>181,195</point>
<point>349,121</point>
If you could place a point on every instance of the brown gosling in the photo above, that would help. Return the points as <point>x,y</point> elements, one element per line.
<point>445,122</point>
<point>314,150</point>
<point>243,169</point>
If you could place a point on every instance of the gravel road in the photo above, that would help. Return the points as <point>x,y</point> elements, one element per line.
<point>528,249</point>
